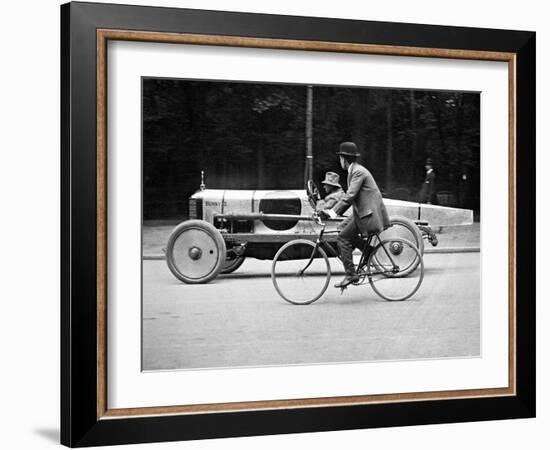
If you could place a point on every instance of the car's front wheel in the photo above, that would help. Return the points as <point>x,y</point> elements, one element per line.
<point>195,252</point>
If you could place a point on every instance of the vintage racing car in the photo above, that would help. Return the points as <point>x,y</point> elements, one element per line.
<point>227,226</point>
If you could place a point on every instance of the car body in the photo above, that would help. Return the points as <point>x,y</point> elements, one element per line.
<point>256,223</point>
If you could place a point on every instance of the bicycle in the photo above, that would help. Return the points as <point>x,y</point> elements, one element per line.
<point>301,268</point>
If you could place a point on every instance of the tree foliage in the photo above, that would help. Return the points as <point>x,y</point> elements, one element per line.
<point>252,136</point>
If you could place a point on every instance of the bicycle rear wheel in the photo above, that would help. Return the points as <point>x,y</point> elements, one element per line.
<point>389,269</point>
<point>300,272</point>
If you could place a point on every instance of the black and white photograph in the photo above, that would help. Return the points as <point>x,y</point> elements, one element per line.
<point>298,224</point>
<point>274,225</point>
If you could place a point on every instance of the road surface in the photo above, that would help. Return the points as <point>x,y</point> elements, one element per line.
<point>239,319</point>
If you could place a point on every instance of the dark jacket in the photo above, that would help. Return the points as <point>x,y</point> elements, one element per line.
<point>427,191</point>
<point>363,195</point>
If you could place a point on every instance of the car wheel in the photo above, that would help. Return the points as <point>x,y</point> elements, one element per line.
<point>404,228</point>
<point>230,265</point>
<point>195,252</point>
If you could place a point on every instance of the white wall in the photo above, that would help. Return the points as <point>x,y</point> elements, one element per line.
<point>29,241</point>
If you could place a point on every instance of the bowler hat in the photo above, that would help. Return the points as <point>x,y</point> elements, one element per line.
<point>348,149</point>
<point>332,179</point>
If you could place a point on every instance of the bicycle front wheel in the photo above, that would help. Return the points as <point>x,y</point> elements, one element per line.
<point>300,272</point>
<point>389,269</point>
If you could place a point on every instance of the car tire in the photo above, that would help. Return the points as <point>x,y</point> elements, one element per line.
<point>409,231</point>
<point>230,265</point>
<point>195,252</point>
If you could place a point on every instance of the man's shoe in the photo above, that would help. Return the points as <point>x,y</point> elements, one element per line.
<point>347,281</point>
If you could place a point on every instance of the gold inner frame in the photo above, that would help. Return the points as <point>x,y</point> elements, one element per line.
<point>104,35</point>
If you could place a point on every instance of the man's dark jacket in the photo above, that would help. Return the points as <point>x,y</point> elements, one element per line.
<point>369,212</point>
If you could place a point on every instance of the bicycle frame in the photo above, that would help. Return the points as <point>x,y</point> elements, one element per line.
<point>365,257</point>
<point>320,242</point>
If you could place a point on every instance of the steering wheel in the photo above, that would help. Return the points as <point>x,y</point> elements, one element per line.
<point>312,193</point>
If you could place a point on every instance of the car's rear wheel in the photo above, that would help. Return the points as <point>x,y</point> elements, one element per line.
<point>195,252</point>
<point>404,228</point>
<point>230,265</point>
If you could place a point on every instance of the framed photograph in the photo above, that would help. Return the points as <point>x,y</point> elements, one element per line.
<point>278,224</point>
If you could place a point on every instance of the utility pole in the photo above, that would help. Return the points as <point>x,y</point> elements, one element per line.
<point>389,143</point>
<point>414,136</point>
<point>308,170</point>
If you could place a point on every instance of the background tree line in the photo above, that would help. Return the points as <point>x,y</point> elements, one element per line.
<point>252,136</point>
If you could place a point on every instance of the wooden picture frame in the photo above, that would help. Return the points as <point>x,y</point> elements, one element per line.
<point>85,416</point>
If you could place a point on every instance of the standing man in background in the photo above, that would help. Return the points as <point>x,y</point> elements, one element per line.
<point>427,191</point>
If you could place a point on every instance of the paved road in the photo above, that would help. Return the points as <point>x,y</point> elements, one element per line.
<point>239,319</point>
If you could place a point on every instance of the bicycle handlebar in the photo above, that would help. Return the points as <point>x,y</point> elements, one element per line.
<point>317,219</point>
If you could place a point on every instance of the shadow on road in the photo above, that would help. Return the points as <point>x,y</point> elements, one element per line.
<point>268,275</point>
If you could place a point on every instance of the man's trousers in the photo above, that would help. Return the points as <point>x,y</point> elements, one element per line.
<point>348,239</point>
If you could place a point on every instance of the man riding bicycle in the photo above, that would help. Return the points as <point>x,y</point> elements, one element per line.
<point>369,213</point>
